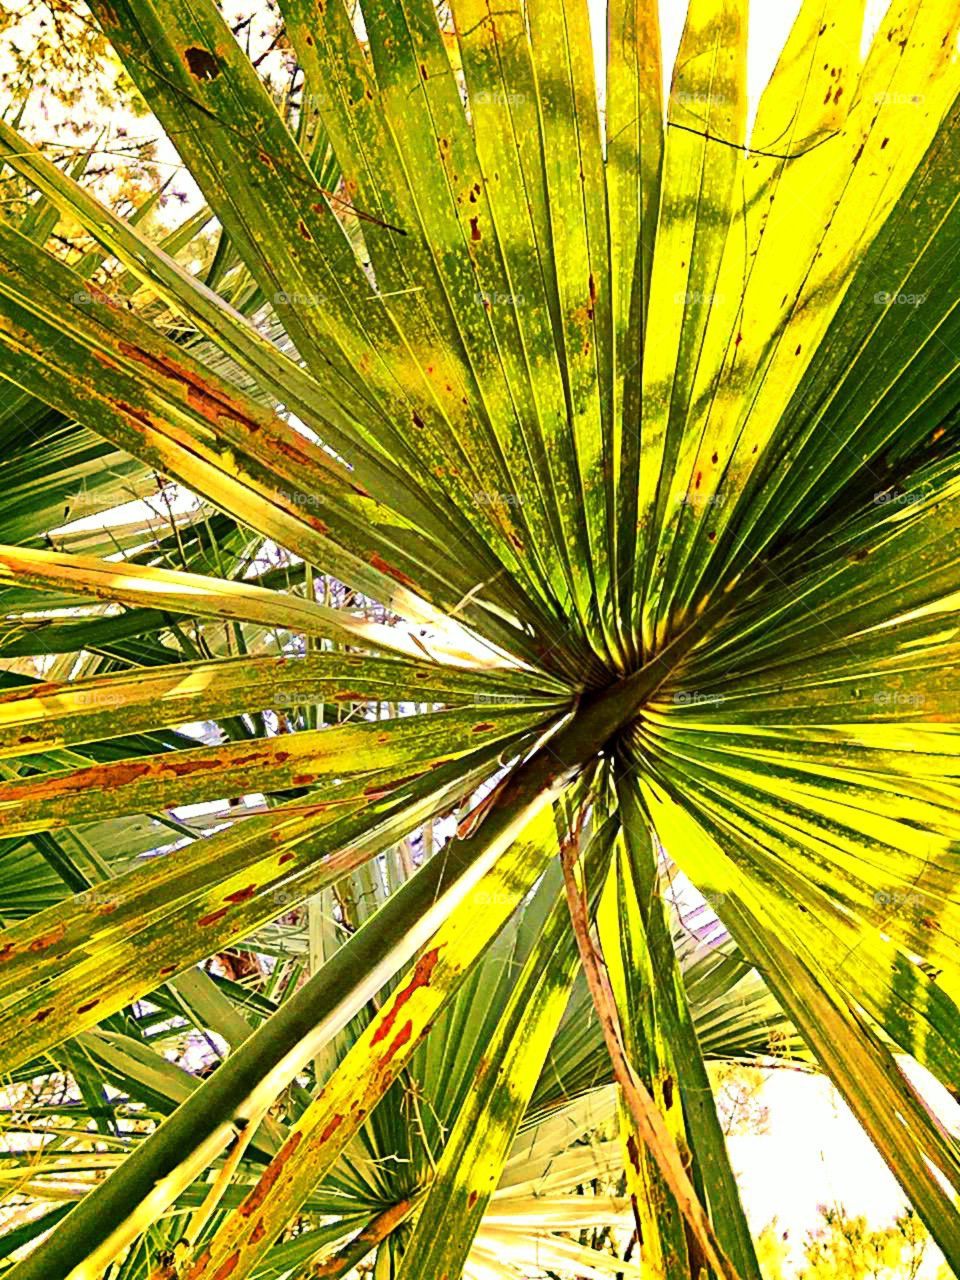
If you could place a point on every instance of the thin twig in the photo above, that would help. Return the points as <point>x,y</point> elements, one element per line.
<point>739,146</point>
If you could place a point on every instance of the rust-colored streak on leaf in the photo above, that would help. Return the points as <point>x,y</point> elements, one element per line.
<point>207,400</point>
<point>48,939</point>
<point>272,1172</point>
<point>484,727</point>
<point>91,1004</point>
<point>330,1128</point>
<point>131,411</point>
<point>258,1232</point>
<point>241,895</point>
<point>213,917</point>
<point>633,1152</point>
<point>226,1268</point>
<point>378,562</point>
<point>402,1037</point>
<point>183,768</point>
<point>422,973</point>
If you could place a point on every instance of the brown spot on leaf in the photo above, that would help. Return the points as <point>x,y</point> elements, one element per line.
<point>91,1004</point>
<point>475,228</point>
<point>203,65</point>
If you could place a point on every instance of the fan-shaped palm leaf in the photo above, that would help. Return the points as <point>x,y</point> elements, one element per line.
<point>625,439</point>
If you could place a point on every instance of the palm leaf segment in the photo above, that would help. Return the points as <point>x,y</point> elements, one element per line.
<point>639,429</point>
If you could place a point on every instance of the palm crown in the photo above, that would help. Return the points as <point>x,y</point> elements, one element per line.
<point>624,440</point>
